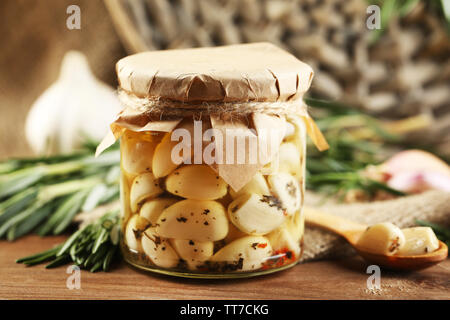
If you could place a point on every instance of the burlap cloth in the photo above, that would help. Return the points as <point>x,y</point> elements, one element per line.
<point>433,206</point>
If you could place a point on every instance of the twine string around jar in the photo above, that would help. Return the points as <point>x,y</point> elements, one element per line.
<point>139,112</point>
<point>171,108</point>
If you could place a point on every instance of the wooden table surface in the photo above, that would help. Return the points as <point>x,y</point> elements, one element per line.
<point>341,279</point>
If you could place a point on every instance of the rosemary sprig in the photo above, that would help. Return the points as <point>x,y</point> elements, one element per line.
<point>339,170</point>
<point>340,183</point>
<point>43,194</point>
<point>92,247</point>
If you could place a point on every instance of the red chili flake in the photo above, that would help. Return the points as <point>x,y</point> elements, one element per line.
<point>288,254</point>
<point>395,244</point>
<point>279,258</point>
<point>386,176</point>
<point>262,245</point>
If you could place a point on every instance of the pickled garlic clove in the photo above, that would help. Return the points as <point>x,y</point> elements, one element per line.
<point>125,208</point>
<point>170,154</point>
<point>162,163</point>
<point>290,131</point>
<point>193,252</point>
<point>257,185</point>
<point>133,232</point>
<point>282,241</point>
<point>382,238</point>
<point>289,158</point>
<point>159,249</point>
<point>197,182</point>
<point>197,220</point>
<point>299,136</point>
<point>287,189</point>
<point>136,155</point>
<point>418,241</point>
<point>152,209</point>
<point>143,187</point>
<point>256,215</point>
<point>247,253</point>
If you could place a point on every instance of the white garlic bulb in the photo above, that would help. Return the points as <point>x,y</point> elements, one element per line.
<point>76,106</point>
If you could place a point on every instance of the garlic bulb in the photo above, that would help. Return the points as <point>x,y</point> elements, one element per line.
<point>415,171</point>
<point>76,106</point>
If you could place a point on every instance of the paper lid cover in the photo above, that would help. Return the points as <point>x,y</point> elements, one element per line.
<point>244,72</point>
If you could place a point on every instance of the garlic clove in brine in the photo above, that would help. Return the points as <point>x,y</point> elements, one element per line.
<point>76,106</point>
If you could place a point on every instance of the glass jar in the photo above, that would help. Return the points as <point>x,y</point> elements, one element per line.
<point>185,220</point>
<point>226,211</point>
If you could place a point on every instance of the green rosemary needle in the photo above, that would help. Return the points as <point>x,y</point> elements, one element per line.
<point>44,194</point>
<point>92,247</point>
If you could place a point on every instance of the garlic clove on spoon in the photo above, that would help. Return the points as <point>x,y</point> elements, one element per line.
<point>382,238</point>
<point>76,106</point>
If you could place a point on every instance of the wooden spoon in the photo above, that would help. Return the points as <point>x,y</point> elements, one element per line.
<point>351,231</point>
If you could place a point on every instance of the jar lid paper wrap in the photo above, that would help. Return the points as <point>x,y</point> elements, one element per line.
<point>249,88</point>
<point>236,73</point>
<point>250,125</point>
